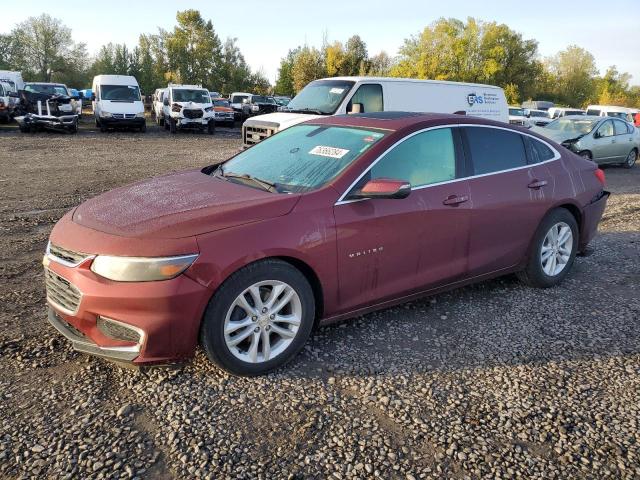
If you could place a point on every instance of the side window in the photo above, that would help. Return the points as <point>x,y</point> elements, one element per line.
<point>427,157</point>
<point>606,129</point>
<point>620,127</point>
<point>537,151</point>
<point>369,96</point>
<point>494,149</point>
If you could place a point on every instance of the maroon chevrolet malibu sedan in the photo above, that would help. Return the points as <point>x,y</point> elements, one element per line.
<point>325,220</point>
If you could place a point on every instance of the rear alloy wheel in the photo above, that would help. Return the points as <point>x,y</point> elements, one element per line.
<point>259,318</point>
<point>553,250</point>
<point>631,159</point>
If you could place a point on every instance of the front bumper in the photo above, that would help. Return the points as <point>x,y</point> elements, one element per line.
<point>200,123</point>
<point>112,122</point>
<point>63,122</point>
<point>167,314</point>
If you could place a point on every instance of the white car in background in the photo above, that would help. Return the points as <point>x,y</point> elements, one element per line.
<point>188,107</point>
<point>538,118</point>
<point>518,116</point>
<point>611,111</point>
<point>158,97</point>
<point>236,99</point>
<point>557,112</point>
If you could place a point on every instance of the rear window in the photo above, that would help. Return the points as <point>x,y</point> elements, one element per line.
<point>494,149</point>
<point>593,111</point>
<point>538,151</point>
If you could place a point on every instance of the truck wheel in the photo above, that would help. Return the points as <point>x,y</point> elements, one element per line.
<point>173,128</point>
<point>211,127</point>
<point>74,128</point>
<point>24,129</point>
<point>143,128</point>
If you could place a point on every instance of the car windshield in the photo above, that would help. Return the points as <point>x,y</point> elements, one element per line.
<point>221,103</point>
<point>573,112</point>
<point>191,95</point>
<point>538,114</point>
<point>303,157</point>
<point>238,98</point>
<point>47,89</point>
<point>282,101</point>
<point>573,126</point>
<point>617,115</point>
<point>120,93</point>
<point>321,97</point>
<point>518,112</point>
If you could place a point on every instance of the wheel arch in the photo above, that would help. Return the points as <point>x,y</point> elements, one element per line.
<point>312,278</point>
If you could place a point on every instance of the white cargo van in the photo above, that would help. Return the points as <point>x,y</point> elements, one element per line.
<point>117,103</point>
<point>343,95</point>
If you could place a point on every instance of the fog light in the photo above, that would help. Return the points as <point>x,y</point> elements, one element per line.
<point>118,330</point>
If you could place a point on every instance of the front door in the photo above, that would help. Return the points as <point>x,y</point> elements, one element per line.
<point>604,143</point>
<point>388,248</point>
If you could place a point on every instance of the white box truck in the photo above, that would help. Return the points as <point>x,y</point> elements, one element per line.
<point>352,95</point>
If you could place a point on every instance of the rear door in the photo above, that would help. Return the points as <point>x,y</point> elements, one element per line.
<point>389,248</point>
<point>510,193</point>
<point>624,139</point>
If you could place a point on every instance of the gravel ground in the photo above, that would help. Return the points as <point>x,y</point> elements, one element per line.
<point>491,381</point>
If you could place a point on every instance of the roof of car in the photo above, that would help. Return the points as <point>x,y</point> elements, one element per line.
<point>584,117</point>
<point>45,83</point>
<point>396,120</point>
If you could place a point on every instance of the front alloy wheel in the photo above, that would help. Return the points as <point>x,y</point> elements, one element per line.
<point>259,318</point>
<point>262,321</point>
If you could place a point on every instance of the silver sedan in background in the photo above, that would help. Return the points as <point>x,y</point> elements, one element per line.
<point>604,140</point>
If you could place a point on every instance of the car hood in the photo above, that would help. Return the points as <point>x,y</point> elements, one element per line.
<point>281,120</point>
<point>180,205</point>
<point>193,104</point>
<point>557,136</point>
<point>223,109</point>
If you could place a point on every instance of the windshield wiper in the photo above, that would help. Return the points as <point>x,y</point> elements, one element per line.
<point>307,110</point>
<point>264,184</point>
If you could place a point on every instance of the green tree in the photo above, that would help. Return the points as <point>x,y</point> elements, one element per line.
<point>379,65</point>
<point>284,82</point>
<point>356,56</point>
<point>471,51</point>
<point>308,65</point>
<point>573,72</point>
<point>46,47</point>
<point>235,73</point>
<point>194,50</point>
<point>512,93</point>
<point>335,59</point>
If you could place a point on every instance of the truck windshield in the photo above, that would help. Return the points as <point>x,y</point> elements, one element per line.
<point>120,93</point>
<point>221,103</point>
<point>322,97</point>
<point>47,89</point>
<point>535,113</point>
<point>260,99</point>
<point>516,112</point>
<point>238,98</point>
<point>303,157</point>
<point>191,95</point>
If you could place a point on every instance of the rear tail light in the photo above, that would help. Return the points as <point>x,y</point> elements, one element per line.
<point>599,173</point>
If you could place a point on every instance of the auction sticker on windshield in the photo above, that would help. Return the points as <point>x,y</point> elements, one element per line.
<point>331,152</point>
<point>336,90</point>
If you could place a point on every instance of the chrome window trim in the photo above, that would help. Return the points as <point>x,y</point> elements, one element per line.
<point>61,261</point>
<point>556,156</point>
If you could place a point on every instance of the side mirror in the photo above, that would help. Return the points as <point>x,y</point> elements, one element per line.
<point>356,108</point>
<point>597,135</point>
<point>384,188</point>
<point>165,102</point>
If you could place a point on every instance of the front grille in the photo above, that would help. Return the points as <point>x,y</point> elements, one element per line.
<point>68,256</point>
<point>192,113</point>
<point>123,116</point>
<point>253,135</point>
<point>61,292</point>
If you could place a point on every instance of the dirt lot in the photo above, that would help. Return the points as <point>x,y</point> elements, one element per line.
<point>494,380</point>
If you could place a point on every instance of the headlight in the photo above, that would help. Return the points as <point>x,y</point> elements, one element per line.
<point>176,107</point>
<point>141,269</point>
<point>106,114</point>
<point>140,114</point>
<point>255,108</point>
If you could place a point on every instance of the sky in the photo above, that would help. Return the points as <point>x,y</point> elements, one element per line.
<point>265,31</point>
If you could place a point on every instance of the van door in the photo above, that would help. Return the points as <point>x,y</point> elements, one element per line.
<point>367,98</point>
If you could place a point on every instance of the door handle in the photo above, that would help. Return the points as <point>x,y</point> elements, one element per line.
<point>536,184</point>
<point>455,200</point>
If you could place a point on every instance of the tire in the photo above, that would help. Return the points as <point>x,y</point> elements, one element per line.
<point>211,127</point>
<point>103,129</point>
<point>24,129</point>
<point>631,159</point>
<point>172,126</point>
<point>535,274</point>
<point>222,309</point>
<point>74,128</point>
<point>586,154</point>
<point>143,128</point>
